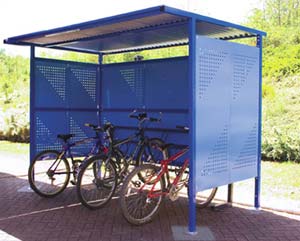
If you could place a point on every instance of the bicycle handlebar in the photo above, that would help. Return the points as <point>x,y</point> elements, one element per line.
<point>143,117</point>
<point>184,128</point>
<point>106,127</point>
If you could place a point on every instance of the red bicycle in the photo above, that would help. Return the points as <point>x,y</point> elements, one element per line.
<point>146,186</point>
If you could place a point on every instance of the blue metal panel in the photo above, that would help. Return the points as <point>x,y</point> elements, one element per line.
<point>76,121</point>
<point>212,113</point>
<point>47,126</point>
<point>66,95</point>
<point>151,86</point>
<point>244,111</point>
<point>167,84</point>
<point>123,86</point>
<point>82,86</point>
<point>50,83</point>
<point>227,112</point>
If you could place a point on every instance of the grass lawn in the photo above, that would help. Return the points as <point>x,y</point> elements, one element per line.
<point>281,179</point>
<point>14,148</point>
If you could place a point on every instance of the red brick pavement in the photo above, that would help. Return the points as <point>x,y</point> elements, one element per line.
<point>28,217</point>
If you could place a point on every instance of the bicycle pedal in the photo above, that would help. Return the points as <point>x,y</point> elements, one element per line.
<point>73,182</point>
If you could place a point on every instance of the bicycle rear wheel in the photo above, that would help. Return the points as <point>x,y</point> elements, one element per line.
<point>49,175</point>
<point>204,198</point>
<point>97,182</point>
<point>137,207</point>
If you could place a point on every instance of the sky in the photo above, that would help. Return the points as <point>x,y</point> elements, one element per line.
<point>26,16</point>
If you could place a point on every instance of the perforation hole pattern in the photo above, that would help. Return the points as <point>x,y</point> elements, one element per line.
<point>248,154</point>
<point>75,128</point>
<point>87,78</point>
<point>56,76</point>
<point>45,139</point>
<point>217,161</point>
<point>209,63</point>
<point>134,79</point>
<point>242,65</point>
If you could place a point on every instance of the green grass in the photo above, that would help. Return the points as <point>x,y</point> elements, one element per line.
<point>14,148</point>
<point>281,179</point>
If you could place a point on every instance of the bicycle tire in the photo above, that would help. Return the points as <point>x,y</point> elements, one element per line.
<point>40,166</point>
<point>204,199</point>
<point>148,207</point>
<point>93,189</point>
<point>155,144</point>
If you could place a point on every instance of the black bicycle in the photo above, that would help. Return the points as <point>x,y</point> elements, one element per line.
<point>101,174</point>
<point>49,173</point>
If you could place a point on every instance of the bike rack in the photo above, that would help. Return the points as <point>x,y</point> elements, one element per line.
<point>215,90</point>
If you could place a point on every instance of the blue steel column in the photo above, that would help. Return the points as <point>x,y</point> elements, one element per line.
<point>99,88</point>
<point>192,116</point>
<point>258,178</point>
<point>32,104</point>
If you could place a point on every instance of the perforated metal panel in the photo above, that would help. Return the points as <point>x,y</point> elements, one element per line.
<point>226,112</point>
<point>50,84</point>
<point>123,86</point>
<point>47,126</point>
<point>153,86</point>
<point>244,113</point>
<point>66,97</point>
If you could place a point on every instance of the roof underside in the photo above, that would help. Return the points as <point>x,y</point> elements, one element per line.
<point>150,28</point>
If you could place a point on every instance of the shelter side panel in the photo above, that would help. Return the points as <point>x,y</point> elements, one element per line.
<point>159,87</point>
<point>213,77</point>
<point>66,96</point>
<point>244,113</point>
<point>226,112</point>
<point>65,84</point>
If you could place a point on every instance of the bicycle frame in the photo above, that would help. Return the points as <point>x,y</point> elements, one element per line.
<point>66,151</point>
<point>165,170</point>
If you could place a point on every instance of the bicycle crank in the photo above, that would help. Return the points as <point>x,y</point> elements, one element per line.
<point>174,192</point>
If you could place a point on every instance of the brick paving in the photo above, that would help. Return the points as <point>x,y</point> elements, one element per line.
<point>28,217</point>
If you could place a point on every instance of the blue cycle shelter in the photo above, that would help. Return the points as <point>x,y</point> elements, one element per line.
<point>215,90</point>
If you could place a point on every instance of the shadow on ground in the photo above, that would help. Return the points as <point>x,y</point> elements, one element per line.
<point>28,217</point>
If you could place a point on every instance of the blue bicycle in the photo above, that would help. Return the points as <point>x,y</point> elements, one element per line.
<point>49,173</point>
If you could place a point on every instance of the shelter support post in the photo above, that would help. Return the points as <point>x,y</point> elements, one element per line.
<point>230,193</point>
<point>32,101</point>
<point>99,81</point>
<point>258,177</point>
<point>192,113</point>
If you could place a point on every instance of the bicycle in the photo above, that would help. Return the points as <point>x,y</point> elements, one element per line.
<point>49,172</point>
<point>140,200</point>
<point>101,174</point>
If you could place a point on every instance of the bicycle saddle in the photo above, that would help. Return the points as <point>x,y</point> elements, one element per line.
<point>65,137</point>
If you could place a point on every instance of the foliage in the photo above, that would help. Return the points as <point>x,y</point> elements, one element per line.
<point>281,71</point>
<point>281,20</point>
<point>281,111</point>
<point>14,102</point>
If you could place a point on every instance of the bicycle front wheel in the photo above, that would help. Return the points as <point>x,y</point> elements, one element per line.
<point>49,174</point>
<point>97,182</point>
<point>152,152</point>
<point>141,200</point>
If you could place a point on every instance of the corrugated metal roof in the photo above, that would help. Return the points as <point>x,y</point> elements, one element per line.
<point>148,28</point>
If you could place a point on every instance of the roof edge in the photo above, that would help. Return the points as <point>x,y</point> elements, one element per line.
<point>199,17</point>
<point>88,24</point>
